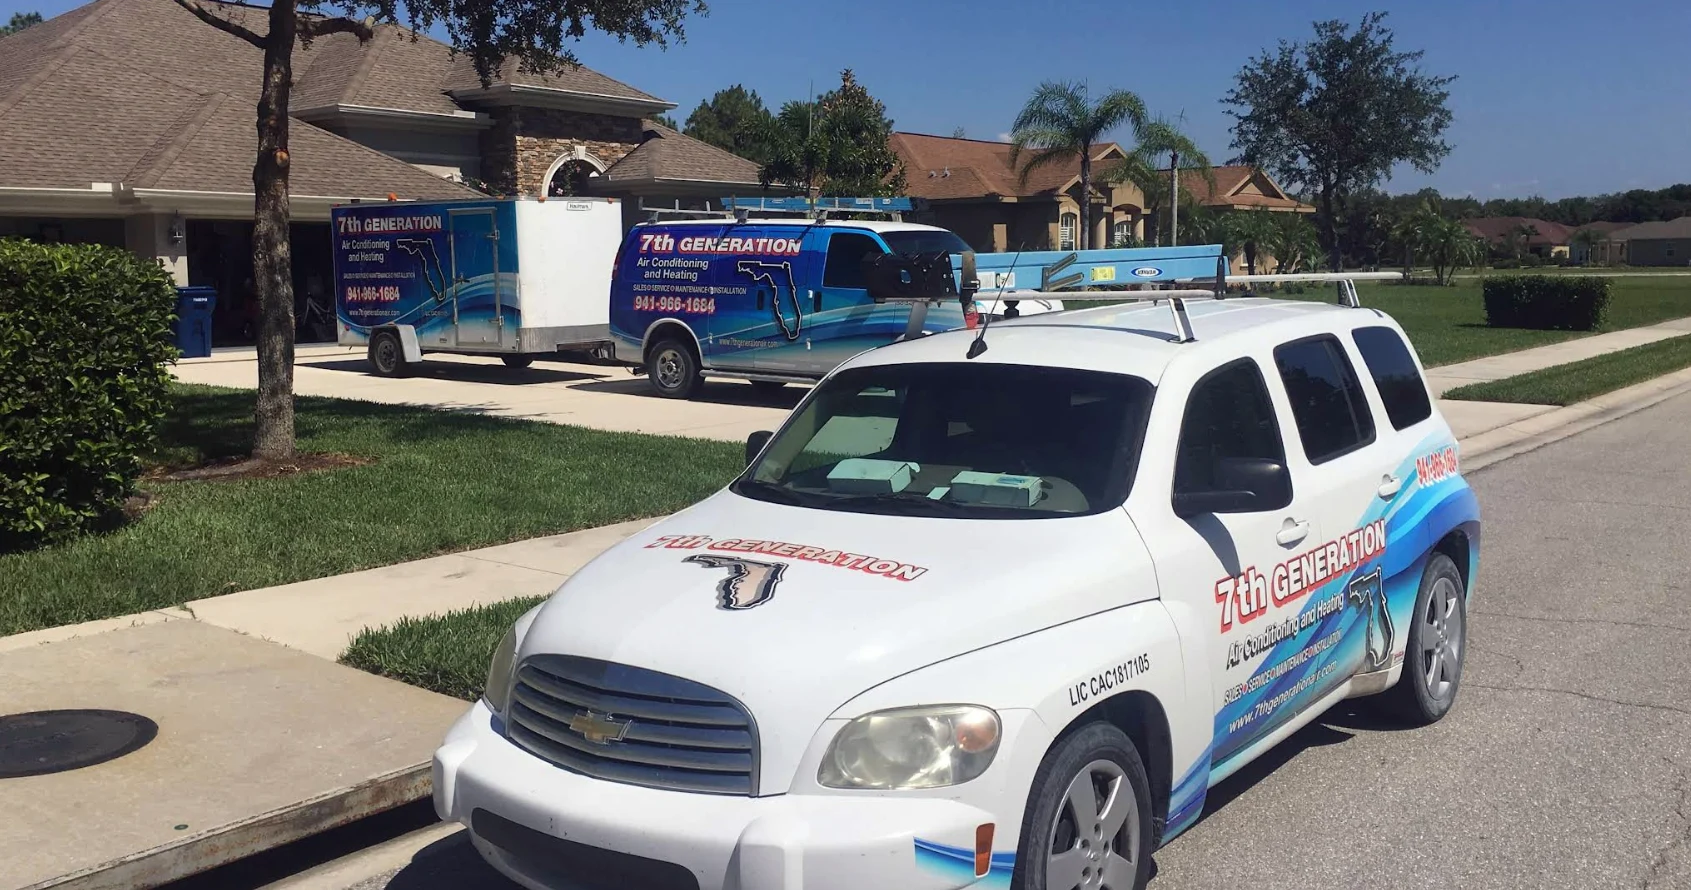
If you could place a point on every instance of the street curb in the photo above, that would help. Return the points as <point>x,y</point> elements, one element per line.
<point>1533,433</point>
<point>229,843</point>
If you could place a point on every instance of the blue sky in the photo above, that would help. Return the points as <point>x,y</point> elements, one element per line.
<point>1554,98</point>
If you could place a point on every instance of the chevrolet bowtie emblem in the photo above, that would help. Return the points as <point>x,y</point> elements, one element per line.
<point>600,729</point>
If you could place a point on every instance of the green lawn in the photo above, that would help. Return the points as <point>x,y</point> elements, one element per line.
<point>1447,324</point>
<point>1581,380</point>
<point>448,653</point>
<point>439,482</point>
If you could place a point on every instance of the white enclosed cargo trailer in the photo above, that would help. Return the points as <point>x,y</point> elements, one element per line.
<point>520,278</point>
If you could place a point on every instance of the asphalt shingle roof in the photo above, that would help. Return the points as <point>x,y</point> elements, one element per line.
<point>140,92</point>
<point>666,154</point>
<point>940,167</point>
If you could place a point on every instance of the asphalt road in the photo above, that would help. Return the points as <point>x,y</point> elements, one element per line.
<point>1565,763</point>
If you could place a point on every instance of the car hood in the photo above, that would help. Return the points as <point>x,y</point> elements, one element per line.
<point>829,603</point>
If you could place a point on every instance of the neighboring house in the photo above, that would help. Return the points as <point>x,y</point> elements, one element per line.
<point>130,122</point>
<point>1239,187</point>
<point>1665,243</point>
<point>970,187</point>
<point>1600,247</point>
<point>1504,234</point>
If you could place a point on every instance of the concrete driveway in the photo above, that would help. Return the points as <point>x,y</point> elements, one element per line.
<point>606,398</point>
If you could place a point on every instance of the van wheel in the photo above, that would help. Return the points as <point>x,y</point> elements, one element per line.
<point>1434,650</point>
<point>674,369</point>
<point>1088,821</point>
<point>517,361</point>
<point>386,355</point>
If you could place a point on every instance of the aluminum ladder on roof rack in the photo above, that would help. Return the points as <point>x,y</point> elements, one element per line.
<point>1345,281</point>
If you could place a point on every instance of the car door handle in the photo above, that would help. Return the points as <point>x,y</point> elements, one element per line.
<point>1292,532</point>
<point>1390,486</point>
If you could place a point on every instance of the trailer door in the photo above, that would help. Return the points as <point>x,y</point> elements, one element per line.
<point>475,277</point>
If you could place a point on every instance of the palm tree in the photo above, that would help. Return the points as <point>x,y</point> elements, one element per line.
<point>1520,238</point>
<point>1254,230</point>
<point>1586,240</point>
<point>1293,242</point>
<point>1443,242</point>
<point>1061,122</point>
<point>1159,137</point>
<point>1209,226</point>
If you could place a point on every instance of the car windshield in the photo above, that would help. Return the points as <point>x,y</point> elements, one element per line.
<point>985,441</point>
<point>924,241</point>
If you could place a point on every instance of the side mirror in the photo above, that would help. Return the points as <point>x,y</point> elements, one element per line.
<point>1242,485</point>
<point>755,443</point>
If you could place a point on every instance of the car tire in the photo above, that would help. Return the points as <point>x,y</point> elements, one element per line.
<point>1057,850</point>
<point>387,355</point>
<point>673,368</point>
<point>1434,649</point>
<point>517,361</point>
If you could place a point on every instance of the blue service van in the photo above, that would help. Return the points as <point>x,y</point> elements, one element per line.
<point>781,300</point>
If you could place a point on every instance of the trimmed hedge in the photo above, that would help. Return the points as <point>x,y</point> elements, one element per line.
<point>1546,302</point>
<point>84,340</point>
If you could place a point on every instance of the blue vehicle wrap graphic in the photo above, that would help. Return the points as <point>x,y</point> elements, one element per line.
<point>1356,621</point>
<point>447,269</point>
<point>958,864</point>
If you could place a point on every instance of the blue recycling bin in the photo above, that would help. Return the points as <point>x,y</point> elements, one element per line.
<point>192,327</point>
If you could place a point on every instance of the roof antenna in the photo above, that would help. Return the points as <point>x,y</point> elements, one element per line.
<point>978,345</point>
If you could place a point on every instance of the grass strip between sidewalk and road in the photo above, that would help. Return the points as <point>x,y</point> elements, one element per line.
<point>435,482</point>
<point>1585,379</point>
<point>448,654</point>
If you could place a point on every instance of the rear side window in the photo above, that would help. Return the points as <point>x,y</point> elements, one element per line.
<point>1327,403</point>
<point>1228,415</point>
<point>1395,375</point>
<point>845,259</point>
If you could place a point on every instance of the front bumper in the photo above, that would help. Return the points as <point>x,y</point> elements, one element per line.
<point>550,829</point>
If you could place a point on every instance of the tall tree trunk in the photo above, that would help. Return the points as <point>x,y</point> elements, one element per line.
<point>1330,229</point>
<point>272,262</point>
<point>1173,198</point>
<point>1085,239</point>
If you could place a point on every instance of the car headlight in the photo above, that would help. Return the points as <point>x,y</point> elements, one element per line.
<point>498,691</point>
<point>924,747</point>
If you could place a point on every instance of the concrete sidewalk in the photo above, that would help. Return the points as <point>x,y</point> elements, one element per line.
<point>1444,378</point>
<point>594,396</point>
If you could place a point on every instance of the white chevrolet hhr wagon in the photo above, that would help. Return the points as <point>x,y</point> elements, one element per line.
<point>990,621</point>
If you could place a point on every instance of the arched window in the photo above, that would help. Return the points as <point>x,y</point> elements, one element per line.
<point>1122,234</point>
<point>1067,225</point>
<point>570,179</point>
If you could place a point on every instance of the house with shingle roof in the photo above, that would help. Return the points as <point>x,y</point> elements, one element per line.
<point>970,187</point>
<point>130,122</point>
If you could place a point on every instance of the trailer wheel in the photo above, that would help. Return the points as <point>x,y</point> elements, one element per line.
<point>517,361</point>
<point>674,369</point>
<point>386,355</point>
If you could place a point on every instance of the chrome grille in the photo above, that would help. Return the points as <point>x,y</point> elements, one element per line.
<point>631,725</point>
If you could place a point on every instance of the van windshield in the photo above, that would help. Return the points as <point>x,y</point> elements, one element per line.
<point>924,241</point>
<point>973,441</point>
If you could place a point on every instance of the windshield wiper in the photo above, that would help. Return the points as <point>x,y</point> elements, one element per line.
<point>770,491</point>
<point>899,498</point>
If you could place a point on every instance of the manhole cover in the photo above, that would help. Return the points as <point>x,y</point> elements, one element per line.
<point>43,742</point>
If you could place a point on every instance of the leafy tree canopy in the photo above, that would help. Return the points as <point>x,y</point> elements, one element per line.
<point>1334,115</point>
<point>20,21</point>
<point>837,145</point>
<point>734,120</point>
